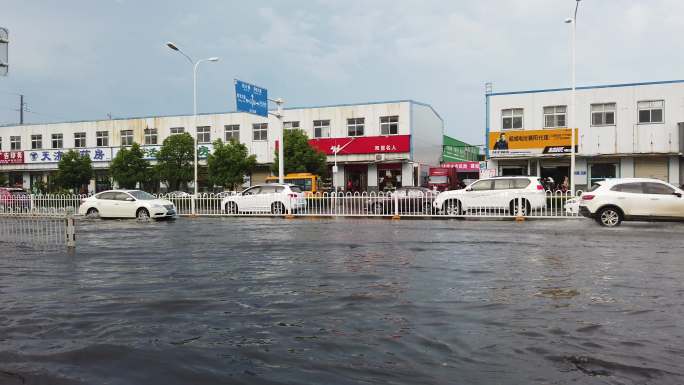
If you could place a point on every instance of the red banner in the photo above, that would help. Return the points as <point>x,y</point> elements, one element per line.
<point>11,157</point>
<point>463,166</point>
<point>364,144</point>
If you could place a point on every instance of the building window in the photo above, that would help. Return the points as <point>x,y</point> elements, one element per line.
<point>79,139</point>
<point>321,128</point>
<point>260,131</point>
<point>15,142</point>
<point>150,136</point>
<point>355,126</point>
<point>177,130</point>
<point>603,114</point>
<point>57,141</point>
<point>102,138</point>
<point>204,134</point>
<point>512,118</point>
<point>651,111</point>
<point>554,116</point>
<point>290,125</point>
<point>126,137</point>
<point>36,142</point>
<point>389,125</point>
<point>232,131</point>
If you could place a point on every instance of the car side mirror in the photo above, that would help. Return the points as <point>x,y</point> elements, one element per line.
<point>677,194</point>
<point>469,189</point>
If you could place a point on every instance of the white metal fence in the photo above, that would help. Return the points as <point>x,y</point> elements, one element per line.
<point>40,229</point>
<point>404,203</point>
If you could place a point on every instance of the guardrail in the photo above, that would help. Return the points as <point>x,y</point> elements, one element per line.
<point>43,229</point>
<point>404,203</point>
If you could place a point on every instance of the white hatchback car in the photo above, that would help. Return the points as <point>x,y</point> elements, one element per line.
<point>274,198</point>
<point>126,204</point>
<point>498,193</point>
<point>632,199</point>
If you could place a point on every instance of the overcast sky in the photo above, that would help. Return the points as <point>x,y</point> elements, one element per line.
<point>78,60</point>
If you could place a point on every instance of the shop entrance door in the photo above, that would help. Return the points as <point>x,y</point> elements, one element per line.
<point>558,174</point>
<point>355,178</point>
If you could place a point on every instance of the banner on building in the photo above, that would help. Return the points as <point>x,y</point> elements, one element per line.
<point>530,142</point>
<point>11,157</point>
<point>463,166</point>
<point>96,154</point>
<point>363,144</point>
<point>150,152</point>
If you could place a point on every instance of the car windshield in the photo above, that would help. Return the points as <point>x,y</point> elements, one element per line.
<point>141,195</point>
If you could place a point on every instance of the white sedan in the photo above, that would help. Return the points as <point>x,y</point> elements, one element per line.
<point>126,204</point>
<point>271,198</point>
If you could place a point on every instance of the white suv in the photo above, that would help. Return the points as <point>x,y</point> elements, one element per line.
<point>615,200</point>
<point>271,198</point>
<point>500,193</point>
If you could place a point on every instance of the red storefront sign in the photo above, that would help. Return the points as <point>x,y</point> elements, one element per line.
<point>364,144</point>
<point>463,166</point>
<point>11,157</point>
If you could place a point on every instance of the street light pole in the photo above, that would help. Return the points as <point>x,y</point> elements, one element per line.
<point>573,115</point>
<point>195,64</point>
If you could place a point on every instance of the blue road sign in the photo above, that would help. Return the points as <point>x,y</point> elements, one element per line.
<point>251,99</point>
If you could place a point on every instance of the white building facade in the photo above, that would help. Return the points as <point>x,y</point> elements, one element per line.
<point>622,130</point>
<point>382,145</point>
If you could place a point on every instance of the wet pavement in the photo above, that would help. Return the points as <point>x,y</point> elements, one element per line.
<point>346,301</point>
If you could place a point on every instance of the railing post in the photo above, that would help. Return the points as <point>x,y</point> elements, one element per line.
<point>395,202</point>
<point>193,211</point>
<point>70,232</point>
<point>519,210</point>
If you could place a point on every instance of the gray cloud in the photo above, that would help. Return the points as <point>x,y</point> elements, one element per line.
<point>88,58</point>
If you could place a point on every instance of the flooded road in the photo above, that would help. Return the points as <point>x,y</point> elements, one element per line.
<point>345,301</point>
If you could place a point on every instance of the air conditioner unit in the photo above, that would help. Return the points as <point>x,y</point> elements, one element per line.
<point>379,157</point>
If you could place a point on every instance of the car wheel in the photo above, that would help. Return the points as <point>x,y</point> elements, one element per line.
<point>231,208</point>
<point>378,208</point>
<point>142,214</point>
<point>452,207</point>
<point>92,213</point>
<point>525,209</point>
<point>609,217</point>
<point>277,208</point>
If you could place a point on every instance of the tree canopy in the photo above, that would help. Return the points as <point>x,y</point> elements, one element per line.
<point>300,156</point>
<point>229,163</point>
<point>129,167</point>
<point>74,171</point>
<point>175,160</point>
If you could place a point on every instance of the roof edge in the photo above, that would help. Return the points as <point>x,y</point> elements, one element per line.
<point>588,87</point>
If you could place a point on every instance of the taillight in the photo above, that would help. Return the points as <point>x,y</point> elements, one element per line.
<point>587,197</point>
<point>540,187</point>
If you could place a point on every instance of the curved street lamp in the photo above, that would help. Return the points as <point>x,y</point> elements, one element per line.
<point>195,64</point>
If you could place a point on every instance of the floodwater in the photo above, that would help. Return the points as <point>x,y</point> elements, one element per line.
<point>347,301</point>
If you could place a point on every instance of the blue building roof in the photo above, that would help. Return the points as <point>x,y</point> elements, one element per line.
<point>587,87</point>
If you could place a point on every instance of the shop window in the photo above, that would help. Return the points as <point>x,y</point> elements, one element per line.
<point>102,138</point>
<point>57,141</point>
<point>512,118</point>
<point>260,131</point>
<point>389,179</point>
<point>150,136</point>
<point>290,125</point>
<point>355,126</point>
<point>603,114</point>
<point>15,142</point>
<point>232,132</point>
<point>651,111</point>
<point>176,130</point>
<point>602,171</point>
<point>79,139</point>
<point>126,137</point>
<point>321,128</point>
<point>204,134</point>
<point>554,116</point>
<point>389,125</point>
<point>36,142</point>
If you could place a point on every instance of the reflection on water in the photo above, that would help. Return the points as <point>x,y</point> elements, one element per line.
<point>249,300</point>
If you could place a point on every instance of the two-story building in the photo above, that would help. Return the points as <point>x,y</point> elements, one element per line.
<point>622,130</point>
<point>379,145</point>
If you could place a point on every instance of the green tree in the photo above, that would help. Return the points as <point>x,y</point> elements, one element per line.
<point>229,163</point>
<point>130,167</point>
<point>175,160</point>
<point>74,171</point>
<point>300,156</point>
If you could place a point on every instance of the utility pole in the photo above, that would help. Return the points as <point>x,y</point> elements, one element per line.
<point>21,109</point>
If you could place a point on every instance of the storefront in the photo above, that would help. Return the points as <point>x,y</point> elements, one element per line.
<point>389,176</point>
